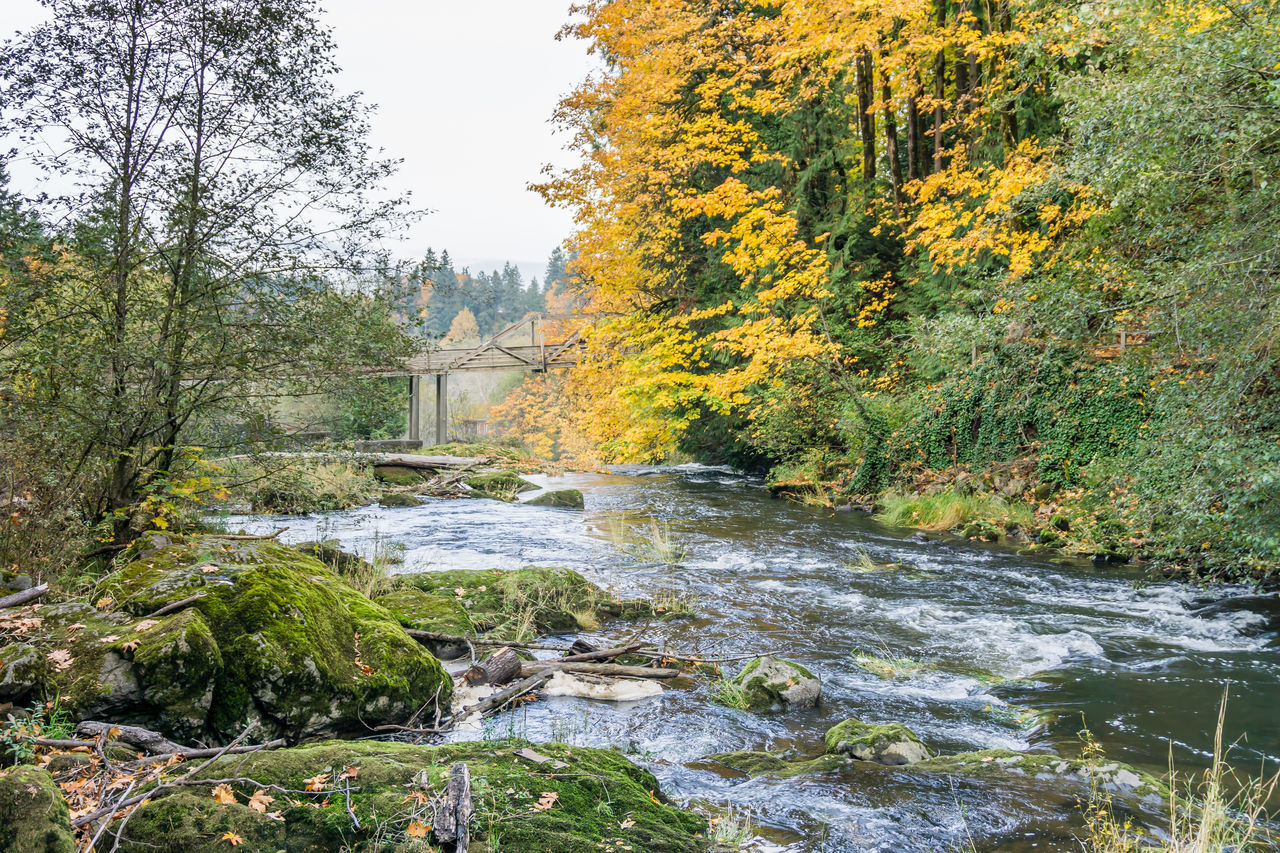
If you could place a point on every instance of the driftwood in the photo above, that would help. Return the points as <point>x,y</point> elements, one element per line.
<point>20,598</point>
<point>501,667</point>
<point>497,700</point>
<point>152,743</point>
<point>452,824</point>
<point>249,536</point>
<point>597,654</point>
<point>529,668</point>
<point>430,463</point>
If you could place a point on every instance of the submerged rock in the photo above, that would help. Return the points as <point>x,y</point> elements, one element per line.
<point>769,682</point>
<point>892,744</point>
<point>566,498</point>
<point>33,815</point>
<point>261,634</point>
<point>399,499</point>
<point>594,800</point>
<point>1109,775</point>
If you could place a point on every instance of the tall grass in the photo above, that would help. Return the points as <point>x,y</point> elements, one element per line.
<point>1224,811</point>
<point>949,509</point>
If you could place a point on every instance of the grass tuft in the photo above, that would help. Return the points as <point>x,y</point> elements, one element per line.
<point>948,509</point>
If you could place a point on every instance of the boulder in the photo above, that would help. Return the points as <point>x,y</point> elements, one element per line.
<point>591,800</point>
<point>399,475</point>
<point>21,669</point>
<point>399,499</point>
<point>266,635</point>
<point>14,582</point>
<point>768,682</point>
<point>1111,776</point>
<point>502,486</point>
<point>565,498</point>
<point>33,815</point>
<point>889,743</point>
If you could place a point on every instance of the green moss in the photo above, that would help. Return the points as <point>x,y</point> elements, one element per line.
<point>762,691</point>
<point>398,475</point>
<point>272,636</point>
<point>855,732</point>
<point>399,499</point>
<point>33,814</point>
<point>441,614</point>
<point>1110,775</point>
<point>768,764</point>
<point>565,498</point>
<point>594,796</point>
<point>501,485</point>
<point>549,600</point>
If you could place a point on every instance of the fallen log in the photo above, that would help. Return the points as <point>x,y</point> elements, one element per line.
<point>20,598</point>
<point>499,699</point>
<point>431,463</point>
<point>152,743</point>
<point>499,668</point>
<point>532,667</point>
<point>452,824</point>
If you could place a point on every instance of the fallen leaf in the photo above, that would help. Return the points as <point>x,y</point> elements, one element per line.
<point>129,646</point>
<point>627,824</point>
<point>235,840</point>
<point>104,602</point>
<point>318,782</point>
<point>60,659</point>
<point>459,591</point>
<point>223,794</point>
<point>349,773</point>
<point>76,627</point>
<point>417,829</point>
<point>208,570</point>
<point>145,625</point>
<point>546,801</point>
<point>259,801</point>
<point>275,816</point>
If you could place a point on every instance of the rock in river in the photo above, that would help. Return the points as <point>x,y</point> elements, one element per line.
<point>889,743</point>
<point>769,682</point>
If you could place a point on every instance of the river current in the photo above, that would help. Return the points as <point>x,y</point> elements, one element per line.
<point>991,644</point>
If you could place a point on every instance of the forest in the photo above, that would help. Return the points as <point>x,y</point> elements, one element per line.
<point>879,249</point>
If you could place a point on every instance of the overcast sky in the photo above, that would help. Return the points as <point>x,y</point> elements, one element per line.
<point>465,90</point>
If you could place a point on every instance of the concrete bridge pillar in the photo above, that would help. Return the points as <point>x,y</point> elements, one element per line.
<point>415,407</point>
<point>442,408</point>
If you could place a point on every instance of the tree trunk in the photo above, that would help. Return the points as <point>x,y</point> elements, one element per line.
<point>498,668</point>
<point>866,118</point>
<point>452,823</point>
<point>891,144</point>
<point>915,144</point>
<point>939,89</point>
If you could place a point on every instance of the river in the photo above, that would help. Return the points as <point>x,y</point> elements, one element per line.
<point>1142,665</point>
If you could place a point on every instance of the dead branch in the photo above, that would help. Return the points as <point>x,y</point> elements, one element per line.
<point>249,536</point>
<point>499,699</point>
<point>433,637</point>
<point>173,606</point>
<point>146,740</point>
<point>453,815</point>
<point>531,667</point>
<point>20,598</point>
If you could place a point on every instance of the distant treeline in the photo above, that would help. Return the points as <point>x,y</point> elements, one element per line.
<point>432,301</point>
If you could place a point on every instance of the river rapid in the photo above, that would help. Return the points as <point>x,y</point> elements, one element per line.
<point>994,637</point>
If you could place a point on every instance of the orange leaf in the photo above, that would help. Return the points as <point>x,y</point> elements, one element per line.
<point>318,782</point>
<point>259,801</point>
<point>417,829</point>
<point>235,840</point>
<point>224,794</point>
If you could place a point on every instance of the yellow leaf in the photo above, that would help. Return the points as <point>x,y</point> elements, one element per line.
<point>318,782</point>
<point>235,840</point>
<point>259,801</point>
<point>223,794</point>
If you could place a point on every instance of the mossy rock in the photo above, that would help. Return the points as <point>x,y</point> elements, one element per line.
<point>769,682</point>
<point>983,530</point>
<point>563,498</point>
<point>501,485</point>
<point>396,500</point>
<point>272,637</point>
<point>329,551</point>
<point>552,600</point>
<point>757,763</point>
<point>1110,775</point>
<point>33,815</point>
<point>22,669</point>
<point>1061,523</point>
<point>398,475</point>
<point>595,796</point>
<point>886,743</point>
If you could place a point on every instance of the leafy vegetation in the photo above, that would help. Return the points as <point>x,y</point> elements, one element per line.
<point>860,245</point>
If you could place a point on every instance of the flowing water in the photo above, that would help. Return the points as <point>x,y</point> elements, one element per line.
<point>991,633</point>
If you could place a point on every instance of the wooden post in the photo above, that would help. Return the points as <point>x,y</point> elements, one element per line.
<point>1124,340</point>
<point>415,400</point>
<point>442,408</point>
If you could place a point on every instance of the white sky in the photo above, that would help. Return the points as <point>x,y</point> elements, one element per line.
<point>465,90</point>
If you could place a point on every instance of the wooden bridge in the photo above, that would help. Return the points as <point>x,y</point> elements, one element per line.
<point>499,352</point>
